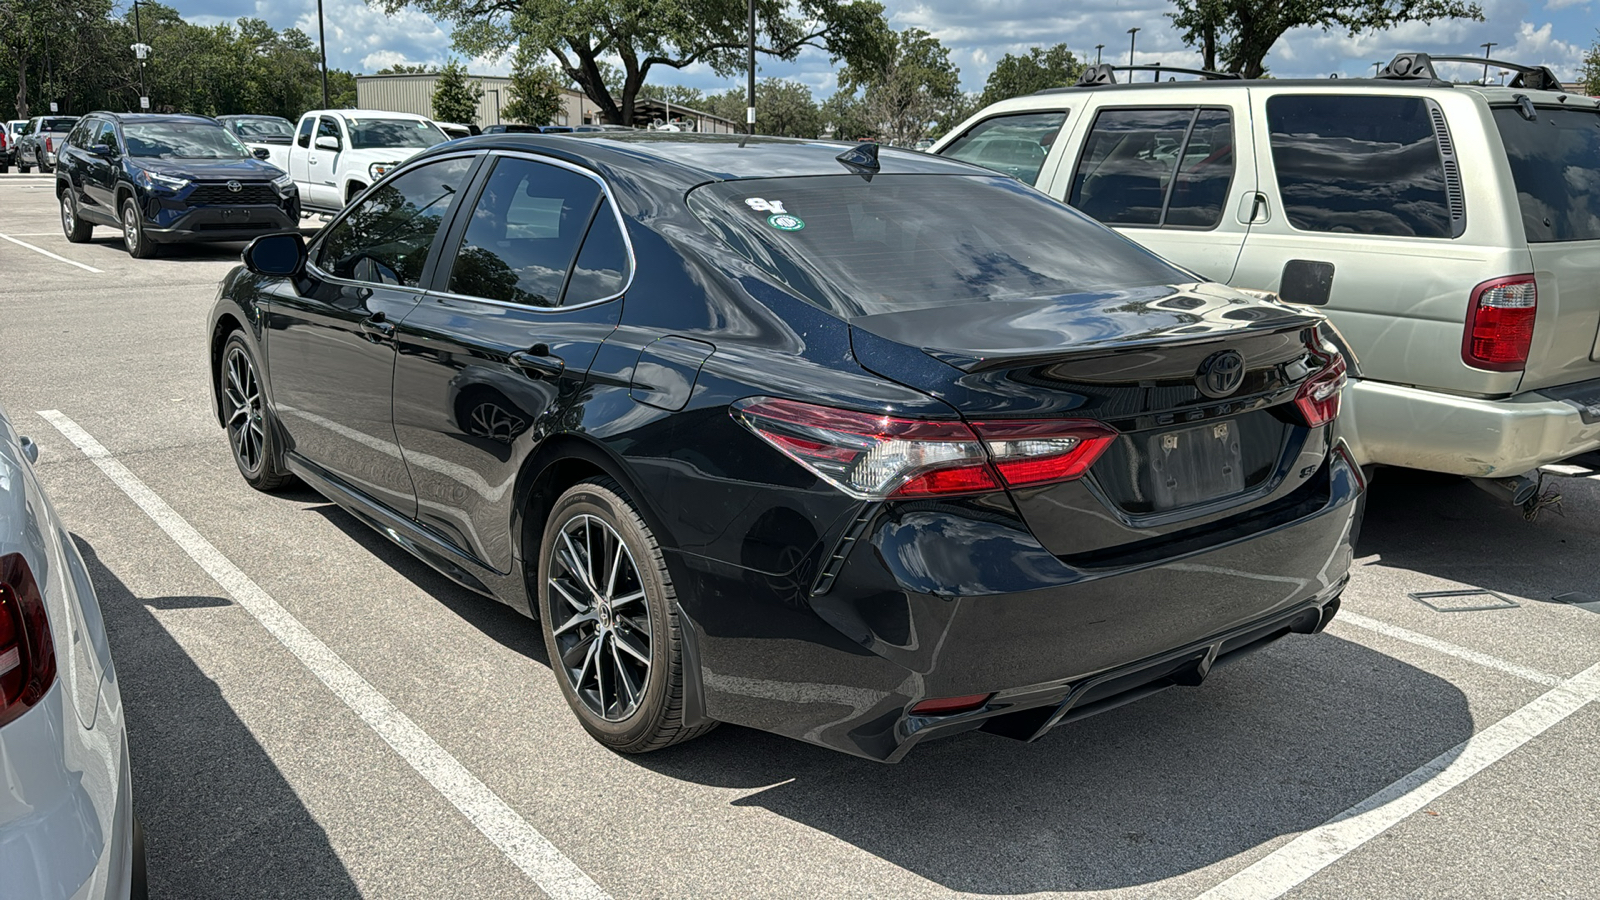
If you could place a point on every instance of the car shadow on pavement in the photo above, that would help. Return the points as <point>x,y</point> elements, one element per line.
<point>251,836</point>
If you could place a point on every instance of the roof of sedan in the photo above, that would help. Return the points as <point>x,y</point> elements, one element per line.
<point>127,118</point>
<point>698,158</point>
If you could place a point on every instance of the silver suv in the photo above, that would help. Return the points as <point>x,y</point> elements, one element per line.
<point>1451,232</point>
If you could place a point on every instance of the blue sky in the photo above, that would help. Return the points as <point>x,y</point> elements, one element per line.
<point>979,32</point>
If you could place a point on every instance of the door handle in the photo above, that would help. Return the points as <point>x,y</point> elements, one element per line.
<point>377,327</point>
<point>538,358</point>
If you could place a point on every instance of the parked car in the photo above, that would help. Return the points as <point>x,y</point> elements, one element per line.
<point>268,137</point>
<point>1431,221</point>
<point>338,152</point>
<point>455,130</point>
<point>165,179</point>
<point>803,452</point>
<point>67,825</point>
<point>40,138</point>
<point>7,154</point>
<point>523,129</point>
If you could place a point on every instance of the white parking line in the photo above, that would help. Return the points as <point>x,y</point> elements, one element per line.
<point>51,255</point>
<point>1281,870</point>
<point>530,851</point>
<point>1471,656</point>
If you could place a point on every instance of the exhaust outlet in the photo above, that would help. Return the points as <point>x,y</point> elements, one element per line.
<point>1518,491</point>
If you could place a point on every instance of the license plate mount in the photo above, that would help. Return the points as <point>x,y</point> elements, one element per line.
<point>1194,465</point>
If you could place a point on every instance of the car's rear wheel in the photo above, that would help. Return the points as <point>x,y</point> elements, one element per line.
<point>38,157</point>
<point>609,615</point>
<point>77,230</point>
<point>22,168</point>
<point>133,237</point>
<point>245,413</point>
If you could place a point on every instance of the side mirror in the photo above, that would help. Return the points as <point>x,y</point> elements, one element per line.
<point>261,153</point>
<point>328,143</point>
<point>281,255</point>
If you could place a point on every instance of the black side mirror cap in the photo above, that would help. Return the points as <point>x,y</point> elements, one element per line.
<point>278,255</point>
<point>261,153</point>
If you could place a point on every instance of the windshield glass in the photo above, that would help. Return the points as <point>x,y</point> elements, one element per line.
<point>1555,161</point>
<point>262,129</point>
<point>903,242</point>
<point>182,140</point>
<point>366,134</point>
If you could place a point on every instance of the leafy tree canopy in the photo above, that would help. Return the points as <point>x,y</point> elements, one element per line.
<point>903,100</point>
<point>535,89</point>
<point>407,69</point>
<point>455,99</point>
<point>1042,67</point>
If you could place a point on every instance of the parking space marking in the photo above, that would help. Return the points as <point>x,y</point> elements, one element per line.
<point>1281,870</point>
<point>1456,650</point>
<point>51,255</point>
<point>530,851</point>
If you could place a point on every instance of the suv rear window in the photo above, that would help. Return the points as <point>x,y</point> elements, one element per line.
<point>1359,165</point>
<point>1555,162</point>
<point>1014,145</point>
<point>902,242</point>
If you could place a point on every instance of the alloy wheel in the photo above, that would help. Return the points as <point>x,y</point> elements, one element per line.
<point>130,227</point>
<point>67,219</point>
<point>599,617</point>
<point>242,394</point>
<point>491,420</point>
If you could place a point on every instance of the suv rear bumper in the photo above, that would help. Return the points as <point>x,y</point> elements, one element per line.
<point>1389,424</point>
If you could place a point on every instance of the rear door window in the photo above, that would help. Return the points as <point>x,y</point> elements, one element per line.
<point>1555,162</point>
<point>306,126</point>
<point>1165,168</point>
<point>1014,145</point>
<point>1359,165</point>
<point>386,239</point>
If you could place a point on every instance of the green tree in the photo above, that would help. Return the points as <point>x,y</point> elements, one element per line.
<point>341,90</point>
<point>535,89</point>
<point>1591,69</point>
<point>1242,32</point>
<point>676,94</point>
<point>407,69</point>
<point>905,98</point>
<point>784,108</point>
<point>454,98</point>
<point>844,117</point>
<point>646,35</point>
<point>1042,67</point>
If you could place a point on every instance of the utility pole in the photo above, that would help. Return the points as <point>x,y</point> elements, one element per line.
<point>140,50</point>
<point>750,103</point>
<point>1097,49</point>
<point>323,40</point>
<point>1487,46</point>
<point>1133,35</point>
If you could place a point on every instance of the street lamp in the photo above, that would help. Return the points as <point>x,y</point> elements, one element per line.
<point>1133,35</point>
<point>322,39</point>
<point>1487,46</point>
<point>1097,49</point>
<point>750,96</point>
<point>140,51</point>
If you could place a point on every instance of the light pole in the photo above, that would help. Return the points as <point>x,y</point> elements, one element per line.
<point>1097,49</point>
<point>1487,46</point>
<point>750,94</point>
<point>323,40</point>
<point>140,50</point>
<point>1133,35</point>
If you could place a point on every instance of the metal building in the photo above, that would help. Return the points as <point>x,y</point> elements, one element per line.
<point>414,94</point>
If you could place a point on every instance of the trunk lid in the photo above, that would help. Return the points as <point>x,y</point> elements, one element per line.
<point>1192,448</point>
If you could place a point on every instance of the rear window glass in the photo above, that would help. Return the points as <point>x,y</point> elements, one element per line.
<point>1555,162</point>
<point>902,242</point>
<point>1359,165</point>
<point>1157,167</point>
<point>1012,145</point>
<point>59,126</point>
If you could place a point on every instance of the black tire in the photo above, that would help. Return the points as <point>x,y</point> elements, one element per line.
<point>72,225</point>
<point>654,719</point>
<point>134,240</point>
<point>22,168</point>
<point>248,419</point>
<point>5,168</point>
<point>38,157</point>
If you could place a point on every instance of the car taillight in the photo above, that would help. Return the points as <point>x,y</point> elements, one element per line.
<point>27,655</point>
<point>49,145</point>
<point>1499,328</point>
<point>874,457</point>
<point>1318,398</point>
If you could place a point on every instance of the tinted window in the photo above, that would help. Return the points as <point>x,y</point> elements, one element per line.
<point>105,135</point>
<point>524,233</point>
<point>1359,165</point>
<point>83,134</point>
<point>385,239</point>
<point>182,140</point>
<point>1555,162</point>
<point>905,242</point>
<point>58,126</point>
<point>304,138</point>
<point>1015,145</point>
<point>261,129</point>
<point>602,267</point>
<point>1163,167</point>
<point>329,128</point>
<point>365,134</point>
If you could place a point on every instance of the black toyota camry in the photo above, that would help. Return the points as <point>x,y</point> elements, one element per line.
<point>861,448</point>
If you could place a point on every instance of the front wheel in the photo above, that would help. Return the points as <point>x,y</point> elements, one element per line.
<point>248,418</point>
<point>138,243</point>
<point>76,229</point>
<point>609,615</point>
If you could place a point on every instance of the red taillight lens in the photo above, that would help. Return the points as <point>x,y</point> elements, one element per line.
<point>876,456</point>
<point>49,145</point>
<point>27,655</point>
<point>1499,328</point>
<point>1318,399</point>
<point>944,706</point>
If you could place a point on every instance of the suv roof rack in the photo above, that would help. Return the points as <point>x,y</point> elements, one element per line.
<point>1105,73</point>
<point>1419,67</point>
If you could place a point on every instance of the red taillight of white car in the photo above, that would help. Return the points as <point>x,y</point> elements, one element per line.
<point>27,655</point>
<point>875,457</point>
<point>49,145</point>
<point>1499,329</point>
<point>1318,398</point>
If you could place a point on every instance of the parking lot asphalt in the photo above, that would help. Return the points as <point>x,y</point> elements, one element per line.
<point>313,713</point>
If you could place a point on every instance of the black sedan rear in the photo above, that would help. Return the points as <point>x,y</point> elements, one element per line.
<point>858,451</point>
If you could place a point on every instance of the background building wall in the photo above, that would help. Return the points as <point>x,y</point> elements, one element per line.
<point>414,94</point>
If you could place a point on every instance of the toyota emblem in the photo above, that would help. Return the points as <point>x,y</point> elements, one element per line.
<point>1220,374</point>
<point>235,186</point>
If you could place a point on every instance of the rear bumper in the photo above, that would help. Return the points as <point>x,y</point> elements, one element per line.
<point>1393,425</point>
<point>939,600</point>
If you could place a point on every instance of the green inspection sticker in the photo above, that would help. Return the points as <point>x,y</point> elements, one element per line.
<point>785,222</point>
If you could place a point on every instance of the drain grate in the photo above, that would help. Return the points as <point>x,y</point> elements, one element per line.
<point>1476,600</point>
<point>1578,599</point>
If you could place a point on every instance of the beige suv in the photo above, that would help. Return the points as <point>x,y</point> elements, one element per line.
<point>1451,232</point>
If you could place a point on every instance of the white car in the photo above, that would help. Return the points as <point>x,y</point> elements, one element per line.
<point>337,153</point>
<point>269,134</point>
<point>67,829</point>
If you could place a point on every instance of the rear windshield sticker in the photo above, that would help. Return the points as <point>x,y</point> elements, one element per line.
<point>786,222</point>
<point>766,206</point>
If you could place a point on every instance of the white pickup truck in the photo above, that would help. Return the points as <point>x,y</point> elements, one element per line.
<point>338,152</point>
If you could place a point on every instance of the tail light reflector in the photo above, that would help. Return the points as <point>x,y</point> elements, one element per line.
<point>875,457</point>
<point>944,706</point>
<point>1499,328</point>
<point>49,145</point>
<point>27,655</point>
<point>1318,399</point>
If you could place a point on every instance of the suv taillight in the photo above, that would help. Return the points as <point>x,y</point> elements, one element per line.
<point>1499,328</point>
<point>875,457</point>
<point>1318,397</point>
<point>49,145</point>
<point>27,655</point>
